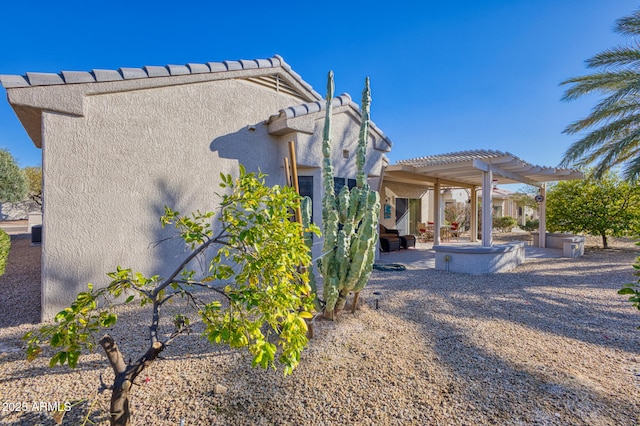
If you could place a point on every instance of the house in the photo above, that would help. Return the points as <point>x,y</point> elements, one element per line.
<point>119,145</point>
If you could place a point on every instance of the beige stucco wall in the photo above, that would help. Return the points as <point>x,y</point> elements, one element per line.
<point>109,172</point>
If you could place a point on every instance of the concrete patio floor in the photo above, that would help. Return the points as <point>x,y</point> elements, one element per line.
<point>423,255</point>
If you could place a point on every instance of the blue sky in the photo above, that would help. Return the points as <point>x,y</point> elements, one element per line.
<point>445,76</point>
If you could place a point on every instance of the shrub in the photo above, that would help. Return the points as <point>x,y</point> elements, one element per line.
<point>5,245</point>
<point>531,225</point>
<point>504,223</point>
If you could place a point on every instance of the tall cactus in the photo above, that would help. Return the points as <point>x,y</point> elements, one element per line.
<point>350,248</point>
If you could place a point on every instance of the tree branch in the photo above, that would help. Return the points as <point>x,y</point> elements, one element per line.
<point>113,354</point>
<point>152,353</point>
<point>171,279</point>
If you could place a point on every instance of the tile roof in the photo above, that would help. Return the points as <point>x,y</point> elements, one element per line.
<point>311,107</point>
<point>321,105</point>
<point>98,75</point>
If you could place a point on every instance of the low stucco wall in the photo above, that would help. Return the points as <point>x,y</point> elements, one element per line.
<point>472,259</point>
<point>570,244</point>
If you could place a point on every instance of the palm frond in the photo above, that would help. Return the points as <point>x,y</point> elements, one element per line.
<point>615,58</point>
<point>615,151</point>
<point>605,154</point>
<point>629,25</point>
<point>604,113</point>
<point>601,82</point>
<point>614,131</point>
<point>631,170</point>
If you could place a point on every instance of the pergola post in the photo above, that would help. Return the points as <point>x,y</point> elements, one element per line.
<point>437,222</point>
<point>487,205</point>
<point>474,215</point>
<point>542,220</point>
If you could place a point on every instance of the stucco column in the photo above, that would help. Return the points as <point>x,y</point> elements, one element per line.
<point>437,220</point>
<point>542,220</point>
<point>474,215</point>
<point>487,205</point>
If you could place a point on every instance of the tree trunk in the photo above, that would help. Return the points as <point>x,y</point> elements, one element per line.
<point>355,302</point>
<point>605,244</point>
<point>120,414</point>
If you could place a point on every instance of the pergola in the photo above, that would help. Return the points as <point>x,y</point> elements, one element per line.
<point>476,169</point>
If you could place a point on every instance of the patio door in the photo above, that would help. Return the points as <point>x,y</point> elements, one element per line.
<point>408,214</point>
<point>402,215</point>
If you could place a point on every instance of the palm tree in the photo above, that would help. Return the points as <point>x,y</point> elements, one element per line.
<point>614,122</point>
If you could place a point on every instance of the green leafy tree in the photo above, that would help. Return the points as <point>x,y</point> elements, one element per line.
<point>614,124</point>
<point>258,249</point>
<point>13,183</point>
<point>34,181</point>
<point>504,223</point>
<point>606,207</point>
<point>525,199</point>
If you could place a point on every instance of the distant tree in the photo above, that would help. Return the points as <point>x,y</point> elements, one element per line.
<point>456,212</point>
<point>34,179</point>
<point>504,223</point>
<point>523,199</point>
<point>259,249</point>
<point>606,207</point>
<point>615,120</point>
<point>13,183</point>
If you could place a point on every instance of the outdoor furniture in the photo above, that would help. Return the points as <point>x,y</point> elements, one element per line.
<point>389,243</point>
<point>425,232</point>
<point>445,232</point>
<point>454,231</point>
<point>389,239</point>
<point>407,241</point>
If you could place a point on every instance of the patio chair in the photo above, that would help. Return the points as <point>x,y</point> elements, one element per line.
<point>425,233</point>
<point>454,231</point>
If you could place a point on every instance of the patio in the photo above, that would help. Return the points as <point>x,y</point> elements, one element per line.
<point>423,256</point>
<point>478,172</point>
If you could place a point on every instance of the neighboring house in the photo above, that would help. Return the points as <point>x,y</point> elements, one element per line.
<point>119,145</point>
<point>504,204</point>
<point>409,205</point>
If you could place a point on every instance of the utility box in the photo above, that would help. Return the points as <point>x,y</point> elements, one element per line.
<point>36,235</point>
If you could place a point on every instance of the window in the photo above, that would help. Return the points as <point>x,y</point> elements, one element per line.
<point>305,185</point>
<point>338,183</point>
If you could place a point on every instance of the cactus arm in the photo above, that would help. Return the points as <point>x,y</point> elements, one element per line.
<point>361,179</point>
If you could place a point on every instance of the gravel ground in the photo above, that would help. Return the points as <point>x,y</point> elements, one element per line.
<point>550,343</point>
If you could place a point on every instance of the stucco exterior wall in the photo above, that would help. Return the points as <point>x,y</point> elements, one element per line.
<point>109,174</point>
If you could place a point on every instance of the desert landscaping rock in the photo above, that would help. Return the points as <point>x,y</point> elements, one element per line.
<point>550,343</point>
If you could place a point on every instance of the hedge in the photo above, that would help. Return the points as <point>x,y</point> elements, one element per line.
<point>5,245</point>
